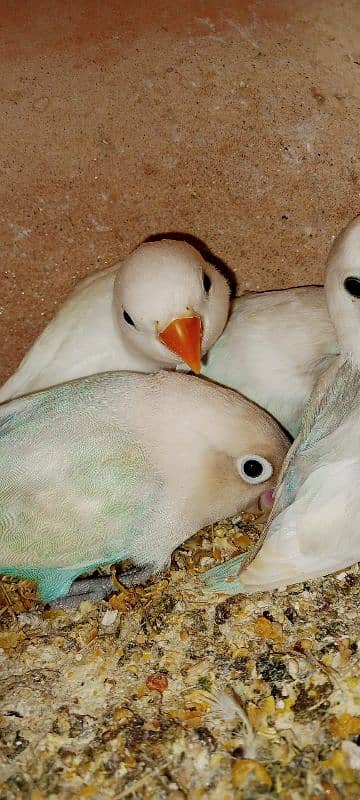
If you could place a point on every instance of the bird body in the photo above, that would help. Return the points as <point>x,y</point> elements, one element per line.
<point>314,526</point>
<point>123,466</point>
<point>83,331</point>
<point>150,312</point>
<point>274,348</point>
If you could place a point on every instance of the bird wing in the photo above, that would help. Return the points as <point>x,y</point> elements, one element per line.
<point>334,397</point>
<point>314,536</point>
<point>304,536</point>
<point>69,346</point>
<point>77,485</point>
<point>268,354</point>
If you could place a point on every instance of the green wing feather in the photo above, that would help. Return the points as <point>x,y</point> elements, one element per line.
<point>77,486</point>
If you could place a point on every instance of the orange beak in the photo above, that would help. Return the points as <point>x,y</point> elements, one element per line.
<point>183,337</point>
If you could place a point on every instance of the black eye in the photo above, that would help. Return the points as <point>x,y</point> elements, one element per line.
<point>352,285</point>
<point>128,319</point>
<point>254,468</point>
<point>206,283</point>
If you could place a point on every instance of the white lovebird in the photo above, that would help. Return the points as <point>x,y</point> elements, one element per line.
<point>274,348</point>
<point>161,307</point>
<point>124,465</point>
<point>314,526</point>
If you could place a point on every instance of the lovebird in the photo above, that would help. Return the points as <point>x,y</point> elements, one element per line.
<point>124,465</point>
<point>314,526</point>
<point>274,348</point>
<point>162,307</point>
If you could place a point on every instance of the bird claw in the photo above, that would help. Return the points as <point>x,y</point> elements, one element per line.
<point>136,575</point>
<point>92,589</point>
<point>95,589</point>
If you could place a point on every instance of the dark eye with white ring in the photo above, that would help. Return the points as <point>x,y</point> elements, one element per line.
<point>352,286</point>
<point>128,319</point>
<point>254,469</point>
<point>206,283</point>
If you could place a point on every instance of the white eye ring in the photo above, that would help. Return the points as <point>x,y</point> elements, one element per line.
<point>254,469</point>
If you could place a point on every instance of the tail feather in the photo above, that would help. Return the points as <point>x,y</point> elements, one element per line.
<point>221,578</point>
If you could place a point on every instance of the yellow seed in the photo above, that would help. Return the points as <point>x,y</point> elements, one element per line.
<point>268,704</point>
<point>245,767</point>
<point>353,682</point>
<point>258,714</point>
<point>240,651</point>
<point>122,714</point>
<point>268,630</point>
<point>241,540</point>
<point>306,644</point>
<point>10,639</point>
<point>130,762</point>
<point>345,726</point>
<point>338,762</point>
<point>52,614</point>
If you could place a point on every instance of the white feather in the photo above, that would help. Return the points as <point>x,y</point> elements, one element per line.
<point>274,348</point>
<point>159,282</point>
<point>314,526</point>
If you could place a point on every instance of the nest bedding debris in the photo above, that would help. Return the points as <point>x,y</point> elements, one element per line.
<point>167,693</point>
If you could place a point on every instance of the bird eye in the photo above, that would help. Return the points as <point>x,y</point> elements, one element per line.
<point>128,319</point>
<point>254,469</point>
<point>206,283</point>
<point>352,285</point>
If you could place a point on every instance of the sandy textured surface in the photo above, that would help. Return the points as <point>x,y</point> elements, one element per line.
<point>235,121</point>
<point>135,698</point>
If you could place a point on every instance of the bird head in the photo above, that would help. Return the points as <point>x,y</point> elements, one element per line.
<point>170,304</point>
<point>230,448</point>
<point>342,288</point>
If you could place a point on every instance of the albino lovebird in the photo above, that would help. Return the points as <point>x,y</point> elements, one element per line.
<point>124,465</point>
<point>314,526</point>
<point>161,307</point>
<point>274,348</point>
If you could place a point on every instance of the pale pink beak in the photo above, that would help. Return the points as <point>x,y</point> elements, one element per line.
<point>266,500</point>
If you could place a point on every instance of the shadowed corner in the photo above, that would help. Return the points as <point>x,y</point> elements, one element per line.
<point>203,249</point>
<point>217,579</point>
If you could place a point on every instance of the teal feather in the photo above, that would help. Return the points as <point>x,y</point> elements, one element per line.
<point>220,578</point>
<point>76,486</point>
<point>51,583</point>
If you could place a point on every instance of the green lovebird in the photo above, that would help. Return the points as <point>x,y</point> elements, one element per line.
<point>124,465</point>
